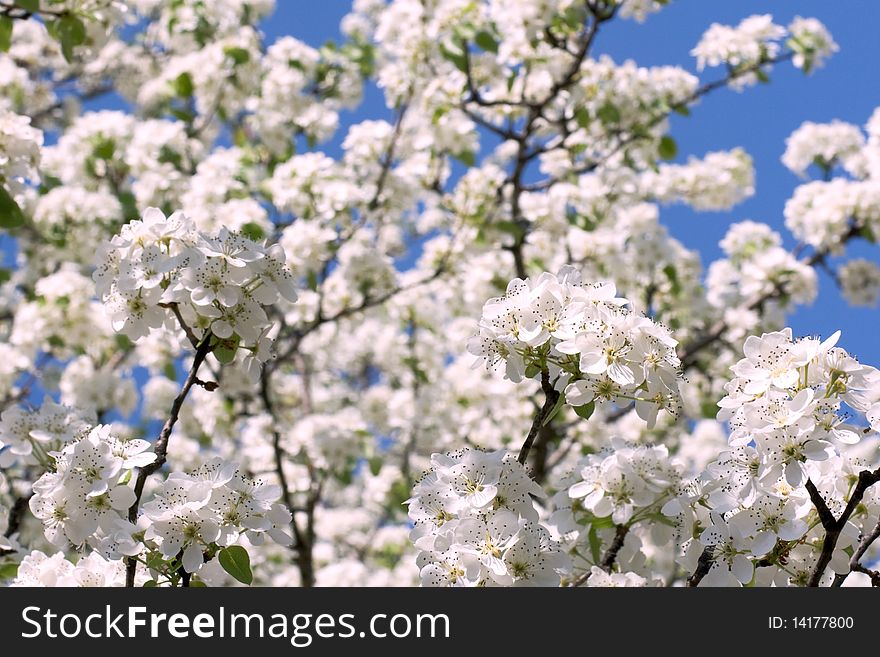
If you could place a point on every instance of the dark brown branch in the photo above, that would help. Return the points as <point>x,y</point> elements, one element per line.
<point>160,447</point>
<point>854,564</point>
<point>704,565</point>
<point>834,526</point>
<point>551,397</point>
<point>301,545</point>
<point>610,555</point>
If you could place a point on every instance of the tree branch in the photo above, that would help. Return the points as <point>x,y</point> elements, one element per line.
<point>160,447</point>
<point>550,400</point>
<point>833,526</point>
<point>704,565</point>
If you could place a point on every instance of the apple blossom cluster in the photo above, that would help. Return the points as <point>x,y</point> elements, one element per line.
<point>19,150</point>
<point>193,513</point>
<point>860,282</point>
<point>218,283</point>
<point>788,409</point>
<point>755,266</point>
<point>38,569</point>
<point>755,42</point>
<point>716,182</point>
<point>585,338</point>
<point>476,524</point>
<point>825,145</point>
<point>85,496</point>
<point>32,435</point>
<point>611,493</point>
<point>825,214</point>
<point>625,483</point>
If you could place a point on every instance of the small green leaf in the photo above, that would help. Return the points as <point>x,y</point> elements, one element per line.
<point>583,118</point>
<point>375,464</point>
<point>8,571</point>
<point>32,6</point>
<point>667,149</point>
<point>553,413</point>
<point>532,370</point>
<point>595,544</point>
<point>235,561</point>
<point>585,410</point>
<point>237,55</point>
<point>183,85</point>
<point>70,32</point>
<point>6,24</point>
<point>312,281</point>
<point>456,56</point>
<point>486,41</point>
<point>197,584</point>
<point>11,215</point>
<point>608,114</point>
<point>183,115</point>
<point>5,275</point>
<point>681,109</point>
<point>253,231</point>
<point>150,584</point>
<point>762,76</point>
<point>104,149</point>
<point>225,354</point>
<point>466,157</point>
<point>510,227</point>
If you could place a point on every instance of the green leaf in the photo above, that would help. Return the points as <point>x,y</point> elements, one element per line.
<point>510,227</point>
<point>11,215</point>
<point>667,149</point>
<point>585,410</point>
<point>681,109</point>
<point>312,281</point>
<point>253,231</point>
<point>197,584</point>
<point>104,149</point>
<point>762,76</point>
<point>583,118</point>
<point>183,85</point>
<point>672,275</point>
<point>6,24</point>
<point>237,55</point>
<point>558,407</point>
<point>456,56</point>
<point>608,114</point>
<point>375,465</point>
<point>532,370</point>
<point>5,275</point>
<point>150,584</point>
<point>70,32</point>
<point>224,353</point>
<point>235,561</point>
<point>605,522</point>
<point>183,115</point>
<point>32,6</point>
<point>466,157</point>
<point>486,41</point>
<point>595,544</point>
<point>8,571</point>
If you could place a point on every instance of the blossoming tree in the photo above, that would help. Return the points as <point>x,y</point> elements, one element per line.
<point>464,352</point>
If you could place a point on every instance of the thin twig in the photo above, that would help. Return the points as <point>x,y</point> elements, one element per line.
<point>160,447</point>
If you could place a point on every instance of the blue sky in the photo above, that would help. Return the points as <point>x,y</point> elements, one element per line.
<point>759,119</point>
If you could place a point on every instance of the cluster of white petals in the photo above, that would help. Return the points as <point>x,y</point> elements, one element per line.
<point>476,524</point>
